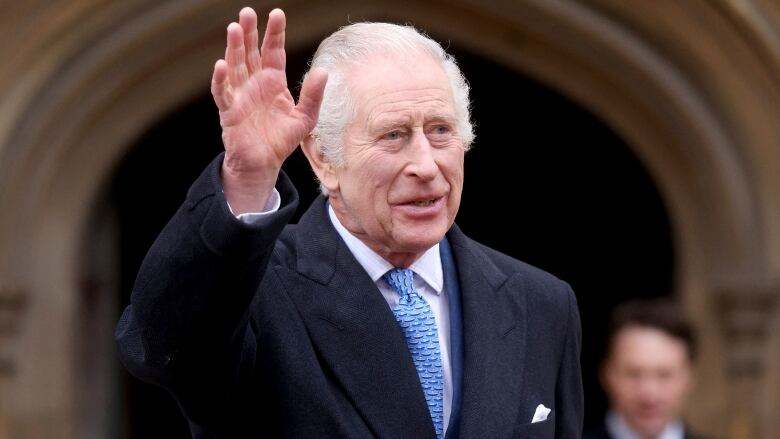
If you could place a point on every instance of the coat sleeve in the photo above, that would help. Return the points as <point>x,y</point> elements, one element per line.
<point>187,328</point>
<point>569,393</point>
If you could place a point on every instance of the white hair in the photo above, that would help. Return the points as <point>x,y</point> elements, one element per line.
<point>360,42</point>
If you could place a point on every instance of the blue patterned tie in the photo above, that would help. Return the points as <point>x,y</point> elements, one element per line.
<point>415,318</point>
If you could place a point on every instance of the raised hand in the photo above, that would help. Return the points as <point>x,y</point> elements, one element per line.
<point>261,124</point>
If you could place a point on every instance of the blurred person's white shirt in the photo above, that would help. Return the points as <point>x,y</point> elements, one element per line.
<point>618,428</point>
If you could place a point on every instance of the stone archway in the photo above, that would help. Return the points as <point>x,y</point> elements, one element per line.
<point>669,78</point>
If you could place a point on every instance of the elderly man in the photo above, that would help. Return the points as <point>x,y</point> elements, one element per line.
<point>374,316</point>
<point>647,372</point>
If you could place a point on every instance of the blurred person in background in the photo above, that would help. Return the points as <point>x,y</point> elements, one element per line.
<point>647,372</point>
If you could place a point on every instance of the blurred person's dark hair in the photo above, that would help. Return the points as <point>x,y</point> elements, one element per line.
<point>664,315</point>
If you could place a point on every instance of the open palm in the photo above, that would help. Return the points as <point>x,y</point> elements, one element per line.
<point>261,123</point>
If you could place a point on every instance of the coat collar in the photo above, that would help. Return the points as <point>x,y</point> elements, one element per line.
<point>354,331</point>
<point>360,342</point>
<point>494,340</point>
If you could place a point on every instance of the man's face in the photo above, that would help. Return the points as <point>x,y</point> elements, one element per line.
<point>647,378</point>
<point>400,186</point>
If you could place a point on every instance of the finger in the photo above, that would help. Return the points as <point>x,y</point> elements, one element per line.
<point>219,85</point>
<point>311,95</point>
<point>235,55</point>
<point>272,51</point>
<point>247,18</point>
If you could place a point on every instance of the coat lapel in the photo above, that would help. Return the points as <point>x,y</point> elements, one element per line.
<point>494,339</point>
<point>354,331</point>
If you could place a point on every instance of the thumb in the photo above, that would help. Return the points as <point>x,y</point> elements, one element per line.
<point>312,90</point>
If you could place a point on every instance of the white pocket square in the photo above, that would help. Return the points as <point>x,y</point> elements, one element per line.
<point>541,414</point>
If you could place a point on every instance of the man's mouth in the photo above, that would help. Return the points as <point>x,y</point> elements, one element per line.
<point>423,203</point>
<point>424,206</point>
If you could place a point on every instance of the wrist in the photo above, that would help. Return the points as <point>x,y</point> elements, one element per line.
<point>247,191</point>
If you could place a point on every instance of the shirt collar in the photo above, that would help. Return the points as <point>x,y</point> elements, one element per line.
<point>619,428</point>
<point>427,266</point>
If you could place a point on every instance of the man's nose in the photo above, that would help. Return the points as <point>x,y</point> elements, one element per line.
<point>422,161</point>
<point>650,388</point>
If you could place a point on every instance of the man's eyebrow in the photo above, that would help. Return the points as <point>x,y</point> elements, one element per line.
<point>386,123</point>
<point>441,118</point>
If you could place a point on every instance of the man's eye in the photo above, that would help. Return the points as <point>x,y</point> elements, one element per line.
<point>392,135</point>
<point>440,131</point>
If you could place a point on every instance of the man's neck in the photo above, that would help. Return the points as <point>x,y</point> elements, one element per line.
<point>396,259</point>
<point>428,265</point>
<point>618,428</point>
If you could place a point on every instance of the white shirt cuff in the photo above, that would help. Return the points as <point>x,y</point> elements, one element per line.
<point>271,206</point>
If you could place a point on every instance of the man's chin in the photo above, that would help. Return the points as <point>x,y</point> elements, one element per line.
<point>420,243</point>
<point>421,232</point>
<point>649,427</point>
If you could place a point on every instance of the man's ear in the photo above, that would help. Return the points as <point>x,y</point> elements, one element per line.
<point>325,171</point>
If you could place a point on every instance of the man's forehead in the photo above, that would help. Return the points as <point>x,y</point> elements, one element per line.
<point>433,108</point>
<point>407,107</point>
<point>640,343</point>
<point>397,79</point>
<point>373,68</point>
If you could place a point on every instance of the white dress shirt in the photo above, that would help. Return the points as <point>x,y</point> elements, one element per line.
<point>428,281</point>
<point>618,428</point>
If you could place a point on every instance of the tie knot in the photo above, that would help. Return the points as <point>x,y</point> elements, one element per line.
<point>402,281</point>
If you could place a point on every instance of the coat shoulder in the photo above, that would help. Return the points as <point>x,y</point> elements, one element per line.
<point>515,267</point>
<point>533,279</point>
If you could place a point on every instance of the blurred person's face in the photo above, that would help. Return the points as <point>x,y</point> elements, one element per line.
<point>647,378</point>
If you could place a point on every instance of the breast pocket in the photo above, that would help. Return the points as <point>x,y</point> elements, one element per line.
<point>537,430</point>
